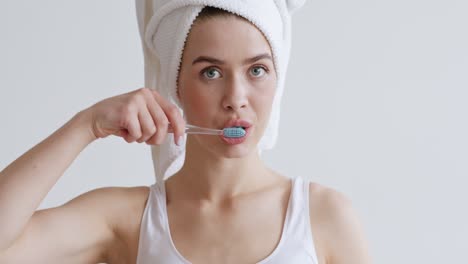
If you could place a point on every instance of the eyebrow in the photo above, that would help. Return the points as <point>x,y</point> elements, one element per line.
<point>218,61</point>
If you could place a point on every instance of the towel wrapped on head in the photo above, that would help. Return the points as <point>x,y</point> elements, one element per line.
<point>164,26</point>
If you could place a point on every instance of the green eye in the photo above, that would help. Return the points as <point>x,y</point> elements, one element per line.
<point>258,71</point>
<point>211,73</point>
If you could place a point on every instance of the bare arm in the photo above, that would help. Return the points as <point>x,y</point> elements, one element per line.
<point>26,181</point>
<point>76,232</point>
<point>350,245</point>
<point>342,236</point>
<point>81,230</point>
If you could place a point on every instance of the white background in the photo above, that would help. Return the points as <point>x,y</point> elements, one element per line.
<point>375,106</point>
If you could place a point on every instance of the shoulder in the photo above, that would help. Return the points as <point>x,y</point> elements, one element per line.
<point>328,202</point>
<point>336,225</point>
<point>121,205</point>
<point>122,209</point>
<point>109,200</point>
<point>113,204</point>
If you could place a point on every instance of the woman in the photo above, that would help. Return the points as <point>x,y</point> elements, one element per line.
<point>223,206</point>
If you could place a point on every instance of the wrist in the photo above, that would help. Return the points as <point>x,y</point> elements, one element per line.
<point>83,122</point>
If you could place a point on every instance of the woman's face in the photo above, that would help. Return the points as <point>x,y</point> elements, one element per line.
<point>227,73</point>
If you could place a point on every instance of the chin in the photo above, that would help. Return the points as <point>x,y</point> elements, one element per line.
<point>220,148</point>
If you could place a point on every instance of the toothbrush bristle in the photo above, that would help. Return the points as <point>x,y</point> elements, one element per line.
<point>234,132</point>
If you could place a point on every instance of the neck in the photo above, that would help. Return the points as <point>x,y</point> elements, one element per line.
<point>208,175</point>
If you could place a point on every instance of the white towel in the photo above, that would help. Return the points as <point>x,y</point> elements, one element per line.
<point>164,26</point>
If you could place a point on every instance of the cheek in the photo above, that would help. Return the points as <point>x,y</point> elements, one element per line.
<point>264,107</point>
<point>263,104</point>
<point>198,103</point>
<point>265,96</point>
<point>193,102</point>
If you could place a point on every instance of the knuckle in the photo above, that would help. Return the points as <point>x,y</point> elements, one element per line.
<point>136,139</point>
<point>152,130</point>
<point>136,98</point>
<point>124,121</point>
<point>136,135</point>
<point>146,92</point>
<point>151,140</point>
<point>174,111</point>
<point>154,93</point>
<point>139,99</point>
<point>127,109</point>
<point>127,114</point>
<point>163,123</point>
<point>143,90</point>
<point>147,133</point>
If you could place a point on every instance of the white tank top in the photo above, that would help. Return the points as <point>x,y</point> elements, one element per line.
<point>296,244</point>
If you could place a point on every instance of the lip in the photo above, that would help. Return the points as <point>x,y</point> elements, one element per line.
<point>237,122</point>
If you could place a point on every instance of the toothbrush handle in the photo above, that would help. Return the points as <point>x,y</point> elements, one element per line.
<point>191,129</point>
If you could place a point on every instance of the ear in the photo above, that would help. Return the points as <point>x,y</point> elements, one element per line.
<point>294,5</point>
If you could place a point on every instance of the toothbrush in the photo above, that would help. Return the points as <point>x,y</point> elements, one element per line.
<point>230,132</point>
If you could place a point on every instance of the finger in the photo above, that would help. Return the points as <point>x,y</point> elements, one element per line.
<point>160,120</point>
<point>132,125</point>
<point>173,114</point>
<point>147,124</point>
<point>121,133</point>
<point>176,121</point>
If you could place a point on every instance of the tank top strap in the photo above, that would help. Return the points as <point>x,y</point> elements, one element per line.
<point>152,230</point>
<point>306,216</point>
<point>158,200</point>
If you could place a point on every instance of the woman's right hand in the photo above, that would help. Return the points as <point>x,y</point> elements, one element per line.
<point>142,115</point>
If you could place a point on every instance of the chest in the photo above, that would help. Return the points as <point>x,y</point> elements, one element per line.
<point>238,234</point>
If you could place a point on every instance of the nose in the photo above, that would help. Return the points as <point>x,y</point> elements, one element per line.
<point>235,95</point>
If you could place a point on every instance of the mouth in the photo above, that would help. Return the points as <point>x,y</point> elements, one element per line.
<point>237,123</point>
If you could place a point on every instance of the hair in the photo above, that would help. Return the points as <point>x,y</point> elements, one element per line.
<point>210,12</point>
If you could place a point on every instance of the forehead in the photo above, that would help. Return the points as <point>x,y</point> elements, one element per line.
<point>222,36</point>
